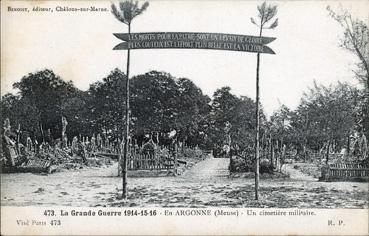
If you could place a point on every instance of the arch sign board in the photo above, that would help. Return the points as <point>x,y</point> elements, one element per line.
<point>191,40</point>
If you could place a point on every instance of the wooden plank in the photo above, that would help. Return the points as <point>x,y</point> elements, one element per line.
<point>349,169</point>
<point>348,172</point>
<point>240,47</point>
<point>150,162</point>
<point>192,36</point>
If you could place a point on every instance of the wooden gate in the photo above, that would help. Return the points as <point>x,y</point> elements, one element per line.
<point>348,172</point>
<point>149,162</point>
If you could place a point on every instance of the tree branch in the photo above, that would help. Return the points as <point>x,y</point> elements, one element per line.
<point>361,57</point>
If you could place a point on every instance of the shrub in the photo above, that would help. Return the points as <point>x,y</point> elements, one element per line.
<point>191,153</point>
<point>240,164</point>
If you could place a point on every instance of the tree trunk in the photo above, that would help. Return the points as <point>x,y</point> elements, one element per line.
<point>18,139</point>
<point>263,141</point>
<point>348,145</point>
<point>273,157</point>
<point>157,138</point>
<point>327,153</point>
<point>271,150</point>
<point>183,143</point>
<point>42,132</point>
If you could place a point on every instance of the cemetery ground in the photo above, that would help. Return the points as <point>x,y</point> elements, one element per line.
<point>205,184</point>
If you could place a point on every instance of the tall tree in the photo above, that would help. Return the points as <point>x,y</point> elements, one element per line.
<point>162,103</point>
<point>279,131</point>
<point>153,102</point>
<point>106,100</point>
<point>326,116</point>
<point>223,110</point>
<point>46,92</point>
<point>75,110</point>
<point>266,13</point>
<point>280,122</point>
<point>192,108</point>
<point>128,10</point>
<point>243,124</point>
<point>238,112</point>
<point>21,111</point>
<point>356,40</point>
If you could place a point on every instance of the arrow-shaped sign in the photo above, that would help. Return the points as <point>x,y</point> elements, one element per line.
<point>243,47</point>
<point>193,36</point>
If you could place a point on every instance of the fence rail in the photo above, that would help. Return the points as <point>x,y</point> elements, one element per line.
<point>342,172</point>
<point>149,162</point>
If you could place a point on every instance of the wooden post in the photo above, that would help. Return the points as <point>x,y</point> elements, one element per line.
<point>175,159</point>
<point>125,154</point>
<point>257,158</point>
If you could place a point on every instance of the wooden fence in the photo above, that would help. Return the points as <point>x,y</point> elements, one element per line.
<point>150,162</point>
<point>345,172</point>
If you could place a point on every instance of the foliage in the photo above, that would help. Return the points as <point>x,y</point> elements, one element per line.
<point>128,11</point>
<point>153,102</point>
<point>239,112</point>
<point>21,111</point>
<point>192,108</point>
<point>266,12</point>
<point>39,103</point>
<point>325,114</point>
<point>280,123</point>
<point>106,103</point>
<point>162,103</point>
<point>356,40</point>
<point>195,153</point>
<point>247,164</point>
<point>166,105</point>
<point>75,110</point>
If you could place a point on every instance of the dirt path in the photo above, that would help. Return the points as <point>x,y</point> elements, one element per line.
<point>296,174</point>
<point>209,169</point>
<point>205,185</point>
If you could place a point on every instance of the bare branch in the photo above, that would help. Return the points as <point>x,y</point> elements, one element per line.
<point>356,38</point>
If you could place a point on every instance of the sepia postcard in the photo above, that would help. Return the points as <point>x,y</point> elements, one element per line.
<point>184,117</point>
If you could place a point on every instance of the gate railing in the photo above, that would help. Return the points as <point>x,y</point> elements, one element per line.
<point>345,171</point>
<point>149,162</point>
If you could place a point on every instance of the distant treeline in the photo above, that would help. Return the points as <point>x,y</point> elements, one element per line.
<point>166,107</point>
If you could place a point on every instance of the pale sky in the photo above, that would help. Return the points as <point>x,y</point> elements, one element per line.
<point>78,46</point>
